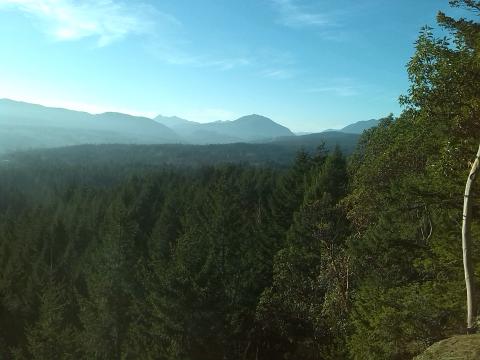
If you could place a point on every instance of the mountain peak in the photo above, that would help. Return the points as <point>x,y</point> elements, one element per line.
<point>173,121</point>
<point>254,127</point>
<point>31,126</point>
<point>255,117</point>
<point>360,126</point>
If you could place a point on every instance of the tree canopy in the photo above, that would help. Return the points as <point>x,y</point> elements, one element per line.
<point>327,258</point>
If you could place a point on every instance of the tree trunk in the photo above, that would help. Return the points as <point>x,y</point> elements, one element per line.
<point>467,244</point>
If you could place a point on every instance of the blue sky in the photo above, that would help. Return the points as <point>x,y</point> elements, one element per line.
<point>308,64</point>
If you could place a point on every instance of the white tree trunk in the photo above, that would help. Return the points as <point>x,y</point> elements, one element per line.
<point>467,244</point>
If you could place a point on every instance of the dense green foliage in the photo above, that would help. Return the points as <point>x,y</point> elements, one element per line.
<point>151,263</point>
<point>111,257</point>
<point>406,201</point>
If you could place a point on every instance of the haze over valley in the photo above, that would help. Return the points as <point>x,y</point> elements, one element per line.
<point>25,126</point>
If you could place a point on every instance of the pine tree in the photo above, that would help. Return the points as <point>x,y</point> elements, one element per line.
<point>309,295</point>
<point>110,285</point>
<point>53,336</point>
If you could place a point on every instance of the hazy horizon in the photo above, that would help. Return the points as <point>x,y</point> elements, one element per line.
<point>153,118</point>
<point>310,66</point>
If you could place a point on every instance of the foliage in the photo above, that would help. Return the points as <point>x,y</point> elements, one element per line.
<point>121,256</point>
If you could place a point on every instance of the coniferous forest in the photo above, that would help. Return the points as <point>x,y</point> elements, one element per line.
<point>330,257</point>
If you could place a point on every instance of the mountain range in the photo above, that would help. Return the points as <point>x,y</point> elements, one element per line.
<point>245,129</point>
<point>29,126</point>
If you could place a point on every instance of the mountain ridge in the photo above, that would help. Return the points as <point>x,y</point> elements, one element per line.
<point>251,127</point>
<point>360,126</point>
<point>25,125</point>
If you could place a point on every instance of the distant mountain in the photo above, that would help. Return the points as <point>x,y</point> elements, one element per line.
<point>174,121</point>
<point>250,128</point>
<point>26,126</point>
<point>300,133</point>
<point>245,129</point>
<point>360,126</point>
<point>356,128</point>
<point>29,126</point>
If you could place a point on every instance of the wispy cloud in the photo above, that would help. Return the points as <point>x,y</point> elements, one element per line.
<point>174,55</point>
<point>276,65</point>
<point>105,20</point>
<point>293,14</point>
<point>278,74</point>
<point>343,87</point>
<point>225,63</point>
<point>265,62</point>
<point>162,34</point>
<point>112,20</point>
<point>339,90</point>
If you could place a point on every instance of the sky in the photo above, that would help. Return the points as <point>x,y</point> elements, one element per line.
<point>307,64</point>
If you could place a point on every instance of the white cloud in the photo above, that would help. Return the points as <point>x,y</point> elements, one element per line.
<point>293,14</point>
<point>106,20</point>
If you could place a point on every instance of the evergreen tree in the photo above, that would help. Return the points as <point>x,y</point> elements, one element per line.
<point>110,285</point>
<point>53,335</point>
<point>304,310</point>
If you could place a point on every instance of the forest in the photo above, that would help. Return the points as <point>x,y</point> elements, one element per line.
<point>326,257</point>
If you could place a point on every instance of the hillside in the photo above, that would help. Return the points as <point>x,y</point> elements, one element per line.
<point>250,128</point>
<point>245,129</point>
<point>464,347</point>
<point>360,126</point>
<point>27,126</point>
